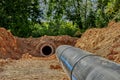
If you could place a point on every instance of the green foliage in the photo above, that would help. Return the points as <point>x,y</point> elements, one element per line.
<point>36,18</point>
<point>48,28</point>
<point>17,14</point>
<point>112,10</point>
<point>107,10</point>
<point>86,13</point>
<point>116,17</point>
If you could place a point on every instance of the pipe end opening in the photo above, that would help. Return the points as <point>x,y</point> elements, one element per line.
<point>47,50</point>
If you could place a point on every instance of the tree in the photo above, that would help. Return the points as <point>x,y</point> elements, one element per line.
<point>107,10</point>
<point>21,16</point>
<point>84,13</point>
<point>17,15</point>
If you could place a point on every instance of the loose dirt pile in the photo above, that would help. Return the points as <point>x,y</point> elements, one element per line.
<point>8,46</point>
<point>104,42</point>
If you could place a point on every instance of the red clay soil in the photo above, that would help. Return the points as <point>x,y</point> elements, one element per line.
<point>33,45</point>
<point>104,42</point>
<point>8,46</point>
<point>14,47</point>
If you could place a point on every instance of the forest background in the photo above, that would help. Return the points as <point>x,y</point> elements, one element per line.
<point>25,18</point>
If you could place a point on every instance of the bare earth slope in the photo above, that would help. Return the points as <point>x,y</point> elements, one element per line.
<point>8,46</point>
<point>104,42</point>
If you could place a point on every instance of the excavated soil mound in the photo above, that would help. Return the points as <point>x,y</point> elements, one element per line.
<point>14,47</point>
<point>104,42</point>
<point>33,46</point>
<point>8,47</point>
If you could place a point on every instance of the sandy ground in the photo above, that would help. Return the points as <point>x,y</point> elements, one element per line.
<point>31,69</point>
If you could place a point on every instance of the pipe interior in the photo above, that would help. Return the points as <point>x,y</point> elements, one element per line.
<point>47,50</point>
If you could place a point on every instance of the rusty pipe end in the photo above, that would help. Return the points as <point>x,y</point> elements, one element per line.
<point>44,49</point>
<point>47,49</point>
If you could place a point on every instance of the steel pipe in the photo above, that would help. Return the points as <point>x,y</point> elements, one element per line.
<point>83,65</point>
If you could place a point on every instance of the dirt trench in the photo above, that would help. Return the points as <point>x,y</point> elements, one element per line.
<point>26,59</point>
<point>14,47</point>
<point>21,58</point>
<point>38,46</point>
